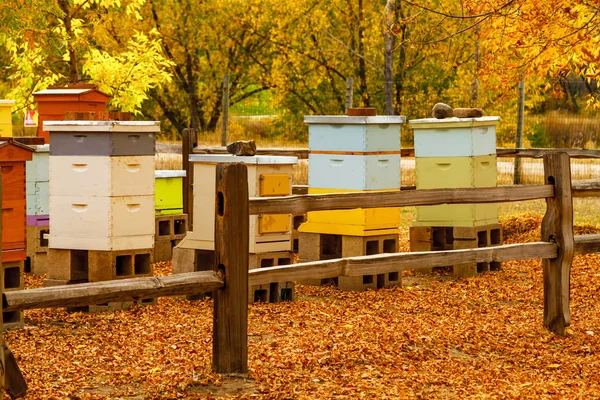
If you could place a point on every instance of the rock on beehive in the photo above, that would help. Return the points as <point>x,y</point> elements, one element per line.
<point>468,112</point>
<point>242,148</point>
<point>441,111</point>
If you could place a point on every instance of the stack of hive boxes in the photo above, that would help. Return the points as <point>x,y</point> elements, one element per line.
<point>101,200</point>
<point>352,154</point>
<point>6,117</point>
<point>38,210</point>
<point>270,235</point>
<point>171,223</point>
<point>54,103</point>
<point>456,153</point>
<point>13,156</point>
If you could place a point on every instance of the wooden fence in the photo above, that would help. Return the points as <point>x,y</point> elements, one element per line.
<point>231,278</point>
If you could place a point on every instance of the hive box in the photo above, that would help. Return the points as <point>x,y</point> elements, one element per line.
<point>102,223</point>
<point>168,192</point>
<point>102,175</point>
<point>350,154</point>
<point>13,156</point>
<point>55,102</point>
<point>6,117</point>
<point>454,137</point>
<point>267,176</point>
<point>455,153</point>
<point>456,172</point>
<point>102,138</point>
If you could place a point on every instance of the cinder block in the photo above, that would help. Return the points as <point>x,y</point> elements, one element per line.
<point>297,220</point>
<point>192,260</point>
<point>309,246</point>
<point>171,226</point>
<point>354,246</point>
<point>67,265</point>
<point>163,250</point>
<point>36,264</point>
<point>37,242</point>
<point>272,259</point>
<point>13,320</point>
<point>109,265</point>
<point>467,269</point>
<point>13,275</point>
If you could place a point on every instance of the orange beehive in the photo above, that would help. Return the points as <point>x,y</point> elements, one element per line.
<point>54,103</point>
<point>13,156</point>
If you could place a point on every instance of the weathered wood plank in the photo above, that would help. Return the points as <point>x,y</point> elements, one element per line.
<point>540,152</point>
<point>84,294</point>
<point>587,244</point>
<point>586,188</point>
<point>557,227</point>
<point>393,262</point>
<point>341,201</point>
<point>232,244</point>
<point>189,139</point>
<point>302,153</point>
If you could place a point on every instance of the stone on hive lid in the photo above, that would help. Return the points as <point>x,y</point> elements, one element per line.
<point>468,112</point>
<point>441,111</point>
<point>242,148</point>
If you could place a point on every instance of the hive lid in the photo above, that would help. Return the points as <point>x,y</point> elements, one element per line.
<point>41,148</point>
<point>102,126</point>
<point>346,120</point>
<point>428,123</point>
<point>229,158</point>
<point>7,102</point>
<point>169,173</point>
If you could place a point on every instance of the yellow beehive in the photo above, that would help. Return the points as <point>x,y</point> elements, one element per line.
<point>6,117</point>
<point>357,222</point>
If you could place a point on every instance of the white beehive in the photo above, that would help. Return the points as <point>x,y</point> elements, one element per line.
<point>267,176</point>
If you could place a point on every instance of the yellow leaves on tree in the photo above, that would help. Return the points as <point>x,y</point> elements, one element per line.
<point>129,75</point>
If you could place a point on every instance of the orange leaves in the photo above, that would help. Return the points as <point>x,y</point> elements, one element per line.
<point>436,337</point>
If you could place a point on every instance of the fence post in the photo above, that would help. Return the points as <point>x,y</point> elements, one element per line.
<point>557,227</point>
<point>519,136</point>
<point>189,140</point>
<point>232,238</point>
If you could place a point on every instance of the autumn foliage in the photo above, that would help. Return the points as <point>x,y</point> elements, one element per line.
<point>435,337</point>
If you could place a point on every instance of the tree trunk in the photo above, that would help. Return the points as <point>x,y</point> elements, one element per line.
<point>388,71</point>
<point>73,68</point>
<point>362,65</point>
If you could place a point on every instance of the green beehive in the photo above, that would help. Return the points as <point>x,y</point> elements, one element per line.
<point>169,192</point>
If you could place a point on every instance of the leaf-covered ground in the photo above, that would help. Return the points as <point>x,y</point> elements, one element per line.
<point>435,337</point>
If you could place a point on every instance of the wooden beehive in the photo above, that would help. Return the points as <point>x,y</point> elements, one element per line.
<point>350,154</point>
<point>267,176</point>
<point>6,117</point>
<point>13,156</point>
<point>455,153</point>
<point>54,103</point>
<point>102,185</point>
<point>169,192</point>
<point>37,184</point>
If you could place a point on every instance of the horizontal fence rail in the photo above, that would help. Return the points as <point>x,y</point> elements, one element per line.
<point>425,197</point>
<point>396,262</point>
<point>586,188</point>
<point>302,153</point>
<point>83,294</point>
